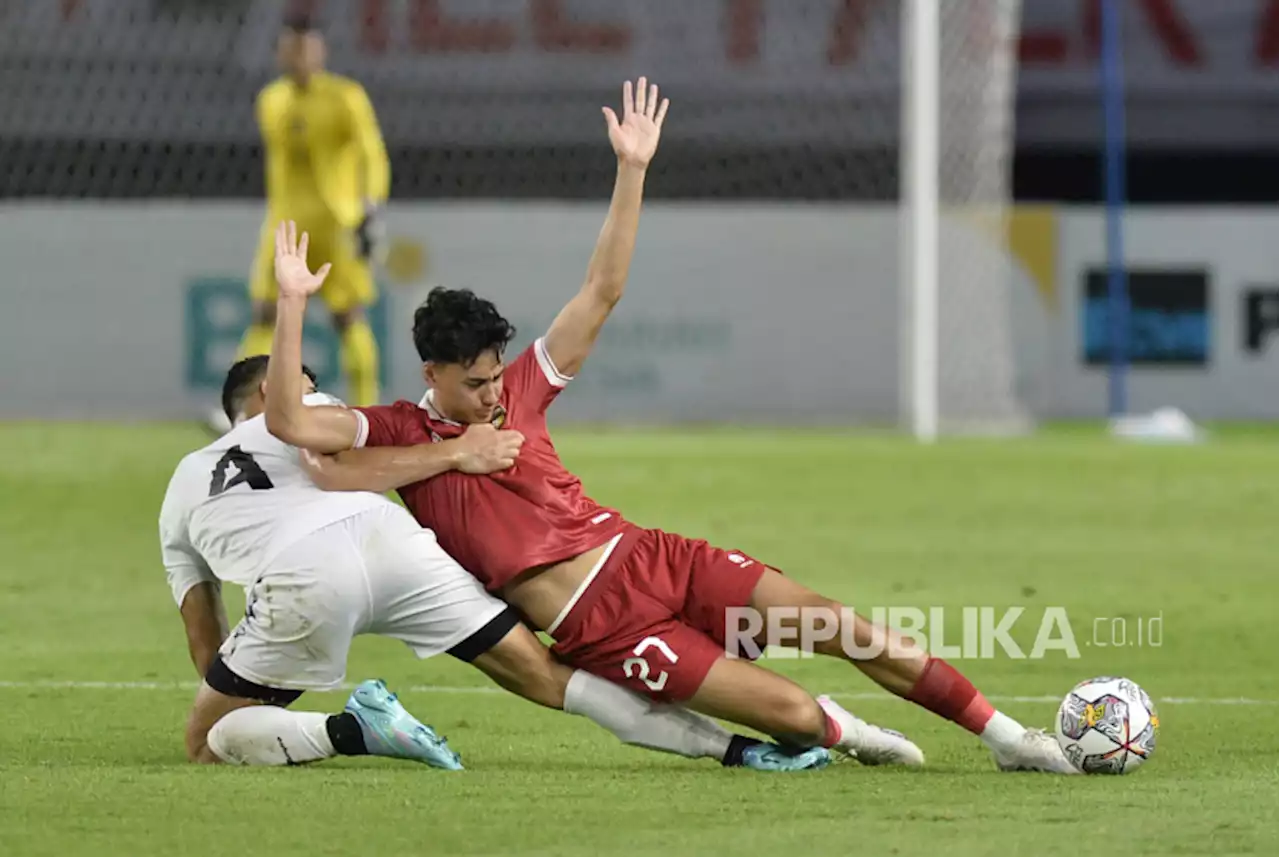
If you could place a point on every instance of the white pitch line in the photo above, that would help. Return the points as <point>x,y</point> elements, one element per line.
<point>431,688</point>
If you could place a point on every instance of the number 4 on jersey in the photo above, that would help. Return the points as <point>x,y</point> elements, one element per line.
<point>247,470</point>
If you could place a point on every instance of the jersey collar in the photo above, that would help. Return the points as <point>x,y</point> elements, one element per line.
<point>428,404</point>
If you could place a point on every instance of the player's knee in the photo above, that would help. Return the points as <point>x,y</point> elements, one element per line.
<point>797,714</point>
<point>779,707</point>
<point>545,687</point>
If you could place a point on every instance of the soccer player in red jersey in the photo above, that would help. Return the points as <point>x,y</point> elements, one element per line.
<point>644,608</point>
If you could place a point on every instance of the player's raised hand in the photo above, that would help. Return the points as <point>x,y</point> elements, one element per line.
<point>292,274</point>
<point>485,449</point>
<point>635,136</point>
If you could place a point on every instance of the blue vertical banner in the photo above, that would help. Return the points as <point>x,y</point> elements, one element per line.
<point>1113,109</point>
<point>217,314</point>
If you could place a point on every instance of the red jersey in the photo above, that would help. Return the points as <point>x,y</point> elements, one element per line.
<point>500,525</point>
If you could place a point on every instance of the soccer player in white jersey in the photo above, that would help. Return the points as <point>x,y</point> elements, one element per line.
<point>320,567</point>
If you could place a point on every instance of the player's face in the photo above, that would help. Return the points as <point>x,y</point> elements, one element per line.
<point>300,54</point>
<point>467,394</point>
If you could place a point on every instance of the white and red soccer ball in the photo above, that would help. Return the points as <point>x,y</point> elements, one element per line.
<point>1107,725</point>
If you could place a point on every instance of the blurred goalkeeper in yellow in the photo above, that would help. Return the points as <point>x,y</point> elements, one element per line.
<point>327,169</point>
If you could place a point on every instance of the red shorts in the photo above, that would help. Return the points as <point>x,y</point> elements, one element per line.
<point>654,619</point>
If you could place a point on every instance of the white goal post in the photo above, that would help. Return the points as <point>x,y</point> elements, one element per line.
<point>956,146</point>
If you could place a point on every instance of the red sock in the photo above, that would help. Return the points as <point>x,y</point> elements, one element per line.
<point>948,694</point>
<point>833,733</point>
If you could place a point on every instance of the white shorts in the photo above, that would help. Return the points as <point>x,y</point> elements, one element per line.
<point>377,572</point>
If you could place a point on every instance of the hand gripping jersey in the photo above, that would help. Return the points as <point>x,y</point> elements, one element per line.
<point>497,526</point>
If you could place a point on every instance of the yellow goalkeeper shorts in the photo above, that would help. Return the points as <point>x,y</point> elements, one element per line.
<point>350,284</point>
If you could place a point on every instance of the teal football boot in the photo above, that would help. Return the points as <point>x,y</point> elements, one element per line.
<point>771,757</point>
<point>390,730</point>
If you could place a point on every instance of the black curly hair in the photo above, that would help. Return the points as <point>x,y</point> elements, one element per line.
<point>455,326</point>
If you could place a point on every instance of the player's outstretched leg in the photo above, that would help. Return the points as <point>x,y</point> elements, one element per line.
<point>523,666</point>
<point>901,667</point>
<point>669,728</point>
<point>742,692</point>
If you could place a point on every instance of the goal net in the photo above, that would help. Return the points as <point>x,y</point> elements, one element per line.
<point>892,119</point>
<point>959,64</point>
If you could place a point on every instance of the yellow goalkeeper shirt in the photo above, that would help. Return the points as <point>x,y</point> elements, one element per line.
<point>324,152</point>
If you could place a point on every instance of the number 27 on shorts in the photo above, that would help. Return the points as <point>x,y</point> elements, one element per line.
<point>639,667</point>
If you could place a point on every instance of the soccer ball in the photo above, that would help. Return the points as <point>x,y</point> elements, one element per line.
<point>1107,725</point>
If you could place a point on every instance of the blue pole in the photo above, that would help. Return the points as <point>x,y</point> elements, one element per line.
<point>1112,72</point>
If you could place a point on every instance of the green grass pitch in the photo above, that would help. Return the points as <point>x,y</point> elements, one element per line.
<point>1068,519</point>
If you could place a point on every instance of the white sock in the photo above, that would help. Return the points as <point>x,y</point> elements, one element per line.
<point>849,723</point>
<point>267,735</point>
<point>641,723</point>
<point>1002,733</point>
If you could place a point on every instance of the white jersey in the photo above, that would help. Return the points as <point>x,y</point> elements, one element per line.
<point>232,506</point>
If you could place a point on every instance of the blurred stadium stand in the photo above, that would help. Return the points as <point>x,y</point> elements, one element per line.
<point>146,98</point>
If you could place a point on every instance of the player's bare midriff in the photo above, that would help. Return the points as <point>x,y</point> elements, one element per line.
<point>541,593</point>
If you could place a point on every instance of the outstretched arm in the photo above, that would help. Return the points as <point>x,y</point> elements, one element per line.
<point>635,140</point>
<point>321,428</point>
